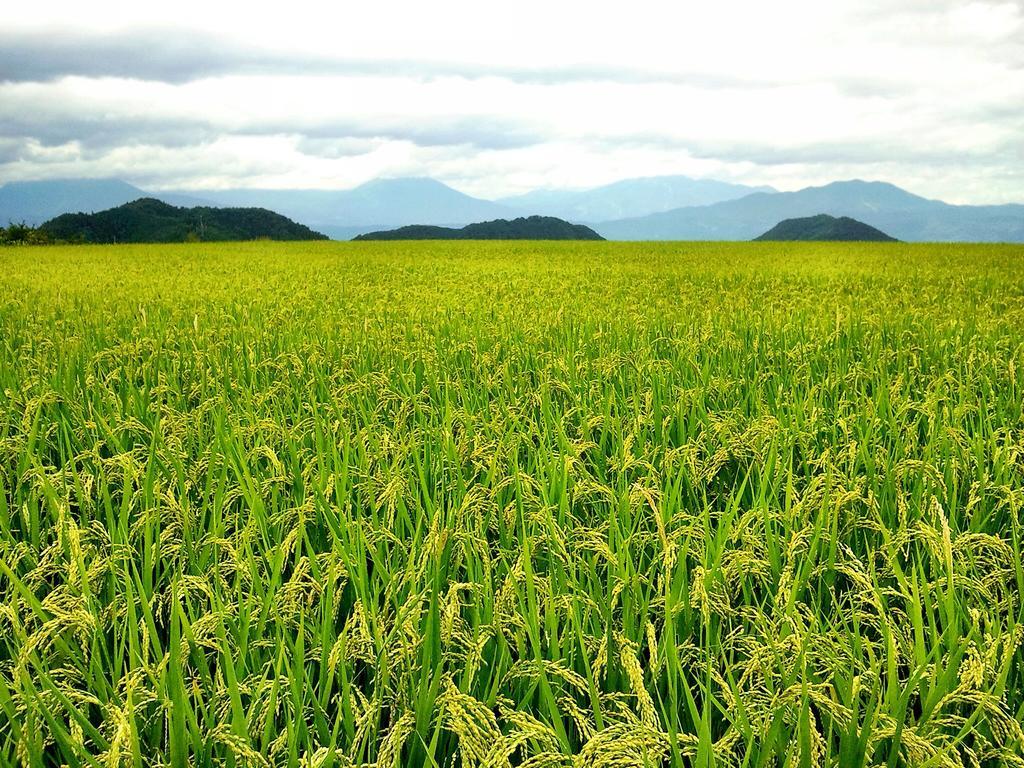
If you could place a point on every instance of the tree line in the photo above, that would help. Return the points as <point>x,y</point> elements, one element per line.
<point>23,234</point>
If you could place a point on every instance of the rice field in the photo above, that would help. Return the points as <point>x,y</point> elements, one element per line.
<point>486,505</point>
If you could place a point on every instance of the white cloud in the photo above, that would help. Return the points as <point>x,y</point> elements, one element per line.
<point>923,94</point>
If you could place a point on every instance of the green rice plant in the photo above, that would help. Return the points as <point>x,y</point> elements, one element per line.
<point>490,504</point>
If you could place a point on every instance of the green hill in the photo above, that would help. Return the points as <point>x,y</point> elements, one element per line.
<point>528,228</point>
<point>826,228</point>
<point>151,221</point>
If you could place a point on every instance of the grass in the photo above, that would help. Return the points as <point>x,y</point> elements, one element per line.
<point>512,504</point>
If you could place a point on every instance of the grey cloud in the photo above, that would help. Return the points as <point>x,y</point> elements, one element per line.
<point>12,149</point>
<point>884,12</point>
<point>159,55</point>
<point>928,24</point>
<point>100,131</point>
<point>181,56</point>
<point>829,154</point>
<point>439,131</point>
<point>863,151</point>
<point>333,149</point>
<point>149,170</point>
<point>872,87</point>
<point>832,153</point>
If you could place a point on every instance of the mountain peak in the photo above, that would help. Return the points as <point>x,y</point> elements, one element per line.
<point>862,186</point>
<point>405,183</point>
<point>629,197</point>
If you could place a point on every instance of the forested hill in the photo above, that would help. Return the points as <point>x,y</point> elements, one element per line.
<point>151,221</point>
<point>527,228</point>
<point>826,228</point>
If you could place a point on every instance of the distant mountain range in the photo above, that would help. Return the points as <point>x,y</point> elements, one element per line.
<point>154,221</point>
<point>884,206</point>
<point>380,204</point>
<point>825,228</point>
<point>528,228</point>
<point>659,208</point>
<point>627,198</point>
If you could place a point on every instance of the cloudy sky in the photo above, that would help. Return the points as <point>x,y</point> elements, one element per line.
<point>500,98</point>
